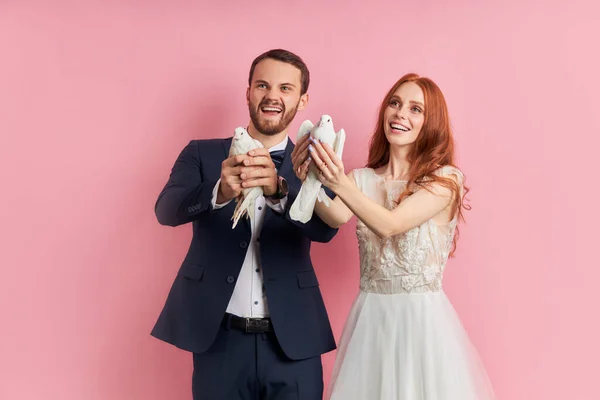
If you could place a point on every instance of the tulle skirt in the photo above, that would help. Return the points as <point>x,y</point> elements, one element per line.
<point>406,347</point>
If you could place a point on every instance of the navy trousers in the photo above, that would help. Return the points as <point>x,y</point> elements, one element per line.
<point>252,366</point>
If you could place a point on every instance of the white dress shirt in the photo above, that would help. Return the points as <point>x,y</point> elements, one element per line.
<point>249,299</point>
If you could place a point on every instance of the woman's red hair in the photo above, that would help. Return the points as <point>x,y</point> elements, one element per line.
<point>433,148</point>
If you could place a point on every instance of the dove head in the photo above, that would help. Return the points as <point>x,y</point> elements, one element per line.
<point>325,121</point>
<point>239,132</point>
<point>242,142</point>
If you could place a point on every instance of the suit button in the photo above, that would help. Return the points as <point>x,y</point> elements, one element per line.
<point>243,244</point>
<point>198,206</point>
<point>230,279</point>
<point>190,209</point>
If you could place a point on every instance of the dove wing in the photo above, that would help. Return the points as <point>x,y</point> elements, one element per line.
<point>304,129</point>
<point>338,146</point>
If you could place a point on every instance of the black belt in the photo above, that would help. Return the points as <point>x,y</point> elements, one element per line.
<point>248,325</point>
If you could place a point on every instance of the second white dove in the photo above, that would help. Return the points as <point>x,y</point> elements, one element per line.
<point>303,207</point>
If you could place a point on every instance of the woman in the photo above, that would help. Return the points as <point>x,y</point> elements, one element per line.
<point>403,339</point>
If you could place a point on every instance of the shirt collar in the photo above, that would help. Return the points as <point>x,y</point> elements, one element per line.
<point>281,145</point>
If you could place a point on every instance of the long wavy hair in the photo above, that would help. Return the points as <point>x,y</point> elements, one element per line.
<point>433,148</point>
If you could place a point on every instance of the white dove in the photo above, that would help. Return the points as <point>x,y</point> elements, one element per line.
<point>242,143</point>
<point>311,190</point>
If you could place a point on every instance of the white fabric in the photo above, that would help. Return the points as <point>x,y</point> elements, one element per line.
<point>403,339</point>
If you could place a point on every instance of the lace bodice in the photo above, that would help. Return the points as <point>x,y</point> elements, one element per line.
<point>411,262</point>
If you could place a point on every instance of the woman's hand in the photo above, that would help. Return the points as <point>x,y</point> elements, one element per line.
<point>331,168</point>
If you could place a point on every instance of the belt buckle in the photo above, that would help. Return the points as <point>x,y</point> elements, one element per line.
<point>255,325</point>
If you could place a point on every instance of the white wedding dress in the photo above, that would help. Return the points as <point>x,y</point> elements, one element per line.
<point>403,339</point>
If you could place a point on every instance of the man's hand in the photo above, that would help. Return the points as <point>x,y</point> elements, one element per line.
<point>231,169</point>
<point>301,158</point>
<point>262,172</point>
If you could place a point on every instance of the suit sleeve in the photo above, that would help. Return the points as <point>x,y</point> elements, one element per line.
<point>186,195</point>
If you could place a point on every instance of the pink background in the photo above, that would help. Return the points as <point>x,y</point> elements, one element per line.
<point>97,100</point>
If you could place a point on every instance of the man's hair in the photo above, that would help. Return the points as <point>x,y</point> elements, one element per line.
<point>287,57</point>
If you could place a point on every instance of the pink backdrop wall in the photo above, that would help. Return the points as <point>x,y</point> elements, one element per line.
<point>97,100</point>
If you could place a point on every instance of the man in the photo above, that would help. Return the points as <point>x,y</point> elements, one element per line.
<point>246,301</point>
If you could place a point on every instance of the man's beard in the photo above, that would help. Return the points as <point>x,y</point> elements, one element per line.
<point>269,127</point>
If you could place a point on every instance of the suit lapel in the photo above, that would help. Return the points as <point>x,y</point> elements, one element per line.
<point>287,172</point>
<point>286,165</point>
<point>226,145</point>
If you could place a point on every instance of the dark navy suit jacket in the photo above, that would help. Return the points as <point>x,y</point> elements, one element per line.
<point>204,284</point>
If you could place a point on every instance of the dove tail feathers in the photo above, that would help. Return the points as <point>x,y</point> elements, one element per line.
<point>303,207</point>
<point>246,206</point>
<point>323,197</point>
